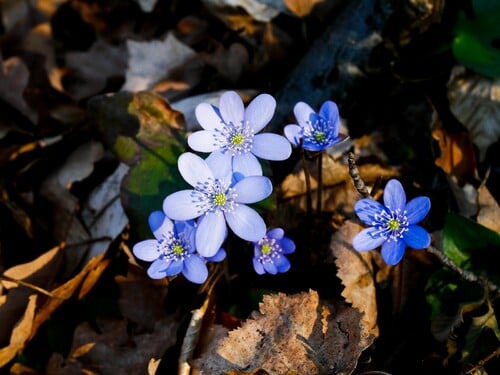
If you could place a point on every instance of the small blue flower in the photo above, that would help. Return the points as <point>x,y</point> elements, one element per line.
<point>393,225</point>
<point>216,201</point>
<point>232,130</point>
<point>269,252</point>
<point>318,131</point>
<point>173,250</point>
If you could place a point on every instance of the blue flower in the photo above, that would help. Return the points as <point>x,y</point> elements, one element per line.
<point>173,250</point>
<point>216,201</point>
<point>318,131</point>
<point>269,252</point>
<point>232,130</point>
<point>394,225</point>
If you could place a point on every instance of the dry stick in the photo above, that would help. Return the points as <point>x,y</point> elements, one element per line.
<point>359,184</point>
<point>28,285</point>
<point>307,178</point>
<point>485,360</point>
<point>319,195</point>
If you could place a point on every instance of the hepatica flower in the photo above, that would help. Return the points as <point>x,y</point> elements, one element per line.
<point>270,251</point>
<point>232,130</point>
<point>173,250</point>
<point>392,225</point>
<point>216,201</point>
<point>317,131</point>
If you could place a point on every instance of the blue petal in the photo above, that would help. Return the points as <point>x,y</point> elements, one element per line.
<point>253,189</point>
<point>313,146</point>
<point>366,240</point>
<point>160,224</point>
<point>367,208</point>
<point>175,267</point>
<point>276,233</point>
<point>246,223</point>
<point>208,116</point>
<point>218,257</point>
<point>247,165</point>
<point>417,237</point>
<point>195,269</point>
<point>417,209</point>
<point>257,266</point>
<point>282,263</point>
<point>260,111</point>
<point>270,267</point>
<point>231,108</point>
<point>393,251</point>
<point>182,205</point>
<point>287,245</point>
<point>394,195</point>
<point>221,165</point>
<point>271,146</point>
<point>210,234</point>
<point>203,141</point>
<point>302,112</point>
<point>293,133</point>
<point>194,169</point>
<point>146,250</point>
<point>330,112</point>
<point>157,269</point>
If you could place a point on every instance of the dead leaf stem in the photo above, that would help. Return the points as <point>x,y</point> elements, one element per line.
<point>28,285</point>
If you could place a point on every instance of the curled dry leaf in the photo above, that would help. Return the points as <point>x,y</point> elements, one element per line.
<point>489,211</point>
<point>290,334</point>
<point>301,8</point>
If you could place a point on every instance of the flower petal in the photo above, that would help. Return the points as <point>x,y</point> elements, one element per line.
<point>270,267</point>
<point>146,250</point>
<point>302,112</point>
<point>271,146</point>
<point>182,205</point>
<point>366,240</point>
<point>210,234</point>
<point>203,141</point>
<point>394,195</point>
<point>160,224</point>
<point>282,263</point>
<point>287,245</point>
<point>175,267</point>
<point>246,223</point>
<point>221,165</point>
<point>293,133</point>
<point>367,208</point>
<point>393,251</point>
<point>157,269</point>
<point>231,108</point>
<point>218,257</point>
<point>260,111</point>
<point>253,189</point>
<point>257,266</point>
<point>276,233</point>
<point>195,269</point>
<point>417,209</point>
<point>330,112</point>
<point>208,116</point>
<point>417,237</point>
<point>246,165</point>
<point>193,169</point>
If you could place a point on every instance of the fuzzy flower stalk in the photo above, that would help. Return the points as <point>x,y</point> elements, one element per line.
<point>393,224</point>
<point>269,252</point>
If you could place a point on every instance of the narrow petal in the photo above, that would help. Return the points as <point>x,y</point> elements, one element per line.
<point>302,112</point>
<point>195,269</point>
<point>175,267</point>
<point>246,165</point>
<point>393,251</point>
<point>417,209</point>
<point>276,233</point>
<point>253,189</point>
<point>246,223</point>
<point>203,141</point>
<point>293,133</point>
<point>270,267</point>
<point>193,169</point>
<point>282,263</point>
<point>271,146</point>
<point>287,245</point>
<point>330,112</point>
<point>182,205</point>
<point>218,257</point>
<point>221,165</point>
<point>366,240</point>
<point>208,116</point>
<point>146,250</point>
<point>160,224</point>
<point>417,237</point>
<point>231,108</point>
<point>260,111</point>
<point>157,269</point>
<point>257,266</point>
<point>394,195</point>
<point>367,208</point>
<point>210,234</point>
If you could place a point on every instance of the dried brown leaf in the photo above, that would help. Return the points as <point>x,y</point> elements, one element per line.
<point>489,211</point>
<point>301,8</point>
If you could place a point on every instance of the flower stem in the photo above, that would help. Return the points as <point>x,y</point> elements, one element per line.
<point>308,181</point>
<point>319,195</point>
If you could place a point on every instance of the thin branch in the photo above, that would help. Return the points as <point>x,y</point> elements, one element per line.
<point>308,180</point>
<point>28,285</point>
<point>359,184</point>
<point>485,360</point>
<point>319,196</point>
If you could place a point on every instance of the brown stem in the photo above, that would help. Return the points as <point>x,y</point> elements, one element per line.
<point>308,180</point>
<point>319,195</point>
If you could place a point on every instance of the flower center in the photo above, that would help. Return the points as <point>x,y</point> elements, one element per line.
<point>269,250</point>
<point>266,249</point>
<point>220,199</point>
<point>319,136</point>
<point>390,224</point>
<point>393,224</point>
<point>172,246</point>
<point>177,249</point>
<point>214,195</point>
<point>318,131</point>
<point>235,139</point>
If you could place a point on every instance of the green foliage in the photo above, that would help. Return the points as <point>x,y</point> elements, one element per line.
<point>145,133</point>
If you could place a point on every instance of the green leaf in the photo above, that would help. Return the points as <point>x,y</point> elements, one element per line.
<point>144,132</point>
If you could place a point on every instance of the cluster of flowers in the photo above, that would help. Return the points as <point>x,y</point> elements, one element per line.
<point>193,225</point>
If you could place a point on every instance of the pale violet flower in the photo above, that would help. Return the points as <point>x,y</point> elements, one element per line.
<point>392,225</point>
<point>315,131</point>
<point>216,201</point>
<point>231,130</point>
<point>270,251</point>
<point>173,250</point>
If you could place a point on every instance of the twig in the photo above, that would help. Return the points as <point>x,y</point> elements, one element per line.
<point>28,285</point>
<point>359,184</point>
<point>319,195</point>
<point>308,180</point>
<point>485,360</point>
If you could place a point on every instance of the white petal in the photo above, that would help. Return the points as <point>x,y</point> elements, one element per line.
<point>208,117</point>
<point>211,234</point>
<point>246,223</point>
<point>194,169</point>
<point>260,111</point>
<point>271,146</point>
<point>246,165</point>
<point>183,205</point>
<point>146,250</point>
<point>231,107</point>
<point>253,189</point>
<point>221,165</point>
<point>203,141</point>
<point>302,112</point>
